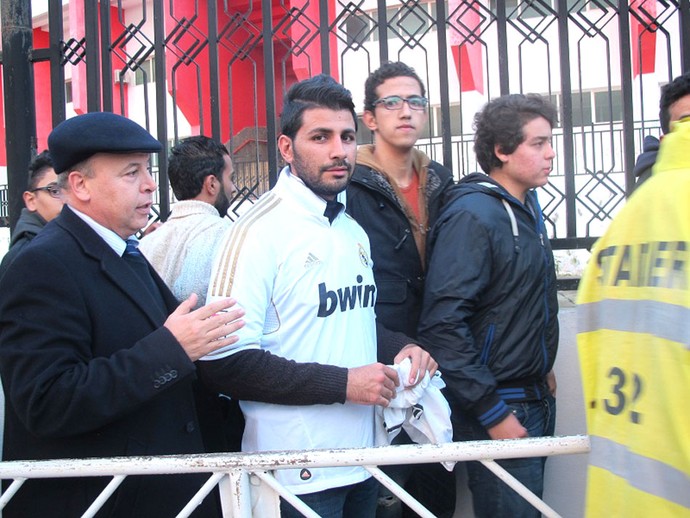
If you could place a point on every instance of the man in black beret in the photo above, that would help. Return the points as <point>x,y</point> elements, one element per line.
<point>96,356</point>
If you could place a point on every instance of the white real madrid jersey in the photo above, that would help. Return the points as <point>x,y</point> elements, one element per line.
<point>308,290</point>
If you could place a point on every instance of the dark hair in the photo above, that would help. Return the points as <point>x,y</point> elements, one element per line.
<point>670,93</point>
<point>38,168</point>
<point>387,71</point>
<point>500,122</point>
<point>191,161</point>
<point>320,91</point>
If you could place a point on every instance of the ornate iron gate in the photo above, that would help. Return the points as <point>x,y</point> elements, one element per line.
<point>221,67</point>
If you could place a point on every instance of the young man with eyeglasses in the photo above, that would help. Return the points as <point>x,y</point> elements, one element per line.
<point>43,202</point>
<point>395,195</point>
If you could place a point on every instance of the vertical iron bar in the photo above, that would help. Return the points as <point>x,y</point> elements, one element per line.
<point>567,120</point>
<point>324,35</point>
<point>382,20</point>
<point>684,29</point>
<point>93,80</point>
<point>106,58</point>
<point>20,111</point>
<point>214,71</point>
<point>57,70</point>
<point>502,37</point>
<point>269,85</point>
<point>442,33</point>
<point>627,96</point>
<point>162,114</point>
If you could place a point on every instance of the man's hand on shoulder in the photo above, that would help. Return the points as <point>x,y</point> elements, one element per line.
<point>421,362</point>
<point>509,428</point>
<point>204,330</point>
<point>371,384</point>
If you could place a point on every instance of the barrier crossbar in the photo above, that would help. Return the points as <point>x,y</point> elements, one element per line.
<point>248,488</point>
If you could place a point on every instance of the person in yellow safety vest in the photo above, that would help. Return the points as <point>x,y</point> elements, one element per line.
<point>634,346</point>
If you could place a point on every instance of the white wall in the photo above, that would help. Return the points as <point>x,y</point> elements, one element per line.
<point>4,245</point>
<point>4,240</point>
<point>566,475</point>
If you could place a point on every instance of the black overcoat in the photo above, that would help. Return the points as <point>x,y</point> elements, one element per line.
<point>89,370</point>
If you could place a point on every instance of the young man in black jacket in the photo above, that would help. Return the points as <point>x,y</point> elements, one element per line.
<point>395,194</point>
<point>490,304</point>
<point>43,202</point>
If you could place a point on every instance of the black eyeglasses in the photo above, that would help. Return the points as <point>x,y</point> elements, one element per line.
<point>395,102</point>
<point>51,188</point>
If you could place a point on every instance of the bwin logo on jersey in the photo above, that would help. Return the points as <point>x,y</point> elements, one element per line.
<point>346,298</point>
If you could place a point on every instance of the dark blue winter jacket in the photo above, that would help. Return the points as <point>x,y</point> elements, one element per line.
<point>490,307</point>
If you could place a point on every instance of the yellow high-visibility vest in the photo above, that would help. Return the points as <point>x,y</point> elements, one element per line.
<point>634,346</point>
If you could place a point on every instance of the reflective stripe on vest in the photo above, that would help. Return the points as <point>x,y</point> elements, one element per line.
<point>667,321</point>
<point>643,473</point>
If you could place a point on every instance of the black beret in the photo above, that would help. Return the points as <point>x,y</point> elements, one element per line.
<point>80,137</point>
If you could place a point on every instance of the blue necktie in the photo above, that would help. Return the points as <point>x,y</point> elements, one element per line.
<point>132,248</point>
<point>136,260</point>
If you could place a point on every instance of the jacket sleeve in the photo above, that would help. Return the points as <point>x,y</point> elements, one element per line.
<point>390,343</point>
<point>459,272</point>
<point>258,375</point>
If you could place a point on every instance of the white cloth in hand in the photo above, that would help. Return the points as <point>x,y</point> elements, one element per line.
<point>421,410</point>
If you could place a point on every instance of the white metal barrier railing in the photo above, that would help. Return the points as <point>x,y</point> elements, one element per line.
<point>248,488</point>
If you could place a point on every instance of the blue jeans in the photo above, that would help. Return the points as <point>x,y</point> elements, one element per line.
<point>491,496</point>
<point>355,501</point>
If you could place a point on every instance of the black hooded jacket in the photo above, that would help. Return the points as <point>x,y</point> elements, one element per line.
<point>28,225</point>
<point>646,160</point>
<point>398,268</point>
<point>490,304</point>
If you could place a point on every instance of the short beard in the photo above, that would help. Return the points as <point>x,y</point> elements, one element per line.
<point>323,191</point>
<point>222,204</point>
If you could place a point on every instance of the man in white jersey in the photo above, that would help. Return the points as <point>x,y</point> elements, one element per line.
<point>305,367</point>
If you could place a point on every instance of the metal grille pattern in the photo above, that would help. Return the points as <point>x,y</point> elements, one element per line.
<point>186,67</point>
<point>73,51</point>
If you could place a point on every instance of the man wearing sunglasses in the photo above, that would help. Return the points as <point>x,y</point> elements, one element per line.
<point>395,194</point>
<point>43,202</point>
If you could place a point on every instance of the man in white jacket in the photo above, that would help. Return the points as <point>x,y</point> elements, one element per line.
<point>181,250</point>
<point>306,371</point>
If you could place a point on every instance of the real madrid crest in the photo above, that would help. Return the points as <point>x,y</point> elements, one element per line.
<point>363,256</point>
